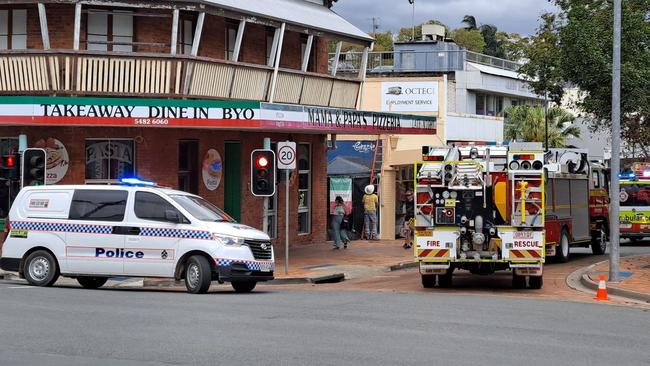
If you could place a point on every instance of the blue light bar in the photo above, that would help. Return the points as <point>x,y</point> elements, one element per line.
<point>137,182</point>
<point>628,175</point>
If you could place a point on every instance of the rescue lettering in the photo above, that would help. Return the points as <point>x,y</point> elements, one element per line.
<point>435,243</point>
<point>117,253</point>
<point>526,244</point>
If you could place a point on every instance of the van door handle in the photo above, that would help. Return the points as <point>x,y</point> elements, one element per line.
<point>134,231</point>
<point>126,230</point>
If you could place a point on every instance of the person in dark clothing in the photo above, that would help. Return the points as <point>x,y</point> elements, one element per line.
<point>409,220</point>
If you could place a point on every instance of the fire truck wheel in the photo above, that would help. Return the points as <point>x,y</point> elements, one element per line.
<point>445,280</point>
<point>536,282</point>
<point>562,250</point>
<point>518,281</point>
<point>428,281</point>
<point>599,242</point>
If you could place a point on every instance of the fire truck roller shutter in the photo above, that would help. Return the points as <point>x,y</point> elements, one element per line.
<point>499,193</point>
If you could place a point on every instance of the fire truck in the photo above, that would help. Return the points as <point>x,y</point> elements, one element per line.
<point>577,203</point>
<point>480,208</point>
<point>489,208</point>
<point>634,214</point>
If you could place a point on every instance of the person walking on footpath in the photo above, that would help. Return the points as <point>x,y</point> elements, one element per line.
<point>340,235</point>
<point>409,218</point>
<point>370,203</point>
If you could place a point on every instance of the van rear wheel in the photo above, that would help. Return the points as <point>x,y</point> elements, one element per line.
<point>92,282</point>
<point>243,287</point>
<point>41,269</point>
<point>198,275</point>
<point>535,282</point>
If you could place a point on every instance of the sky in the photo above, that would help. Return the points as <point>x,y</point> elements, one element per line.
<point>520,16</point>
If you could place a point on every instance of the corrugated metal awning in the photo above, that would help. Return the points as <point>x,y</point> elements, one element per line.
<point>297,12</point>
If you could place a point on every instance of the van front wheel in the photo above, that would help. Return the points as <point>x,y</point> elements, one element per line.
<point>41,269</point>
<point>243,287</point>
<point>198,275</point>
<point>92,282</point>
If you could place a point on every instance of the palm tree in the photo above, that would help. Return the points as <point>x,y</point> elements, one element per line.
<point>470,20</point>
<point>526,124</point>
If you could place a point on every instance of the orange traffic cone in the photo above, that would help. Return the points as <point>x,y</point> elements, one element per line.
<point>601,294</point>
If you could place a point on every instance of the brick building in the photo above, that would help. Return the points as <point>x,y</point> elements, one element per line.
<point>181,92</point>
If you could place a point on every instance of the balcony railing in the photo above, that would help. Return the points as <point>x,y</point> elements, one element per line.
<point>159,75</point>
<point>417,61</point>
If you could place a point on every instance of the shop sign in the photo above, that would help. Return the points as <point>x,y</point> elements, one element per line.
<point>412,96</point>
<point>341,187</point>
<point>57,159</point>
<point>239,115</point>
<point>212,169</point>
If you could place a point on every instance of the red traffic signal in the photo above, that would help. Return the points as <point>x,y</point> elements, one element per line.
<point>262,162</point>
<point>263,173</point>
<point>10,166</point>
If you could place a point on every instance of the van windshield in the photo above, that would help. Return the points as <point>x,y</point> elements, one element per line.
<point>201,209</point>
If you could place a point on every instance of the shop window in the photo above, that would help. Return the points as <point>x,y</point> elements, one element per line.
<point>99,205</point>
<point>13,29</point>
<point>231,38</point>
<point>108,160</point>
<point>188,166</point>
<point>480,104</point>
<point>110,31</point>
<point>489,105</point>
<point>186,37</point>
<point>270,37</point>
<point>304,188</point>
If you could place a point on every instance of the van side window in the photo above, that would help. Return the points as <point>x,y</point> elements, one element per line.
<point>150,206</point>
<point>100,205</point>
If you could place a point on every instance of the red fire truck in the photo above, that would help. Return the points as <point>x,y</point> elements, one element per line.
<point>577,203</point>
<point>488,208</point>
<point>480,208</point>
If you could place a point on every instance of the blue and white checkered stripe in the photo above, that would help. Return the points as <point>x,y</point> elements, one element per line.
<point>251,265</point>
<point>61,227</point>
<point>175,233</point>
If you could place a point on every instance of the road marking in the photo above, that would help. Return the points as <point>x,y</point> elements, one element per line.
<point>21,287</point>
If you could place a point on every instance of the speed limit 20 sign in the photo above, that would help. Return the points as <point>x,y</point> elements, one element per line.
<point>286,155</point>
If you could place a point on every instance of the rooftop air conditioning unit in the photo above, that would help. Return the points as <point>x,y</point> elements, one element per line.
<point>433,32</point>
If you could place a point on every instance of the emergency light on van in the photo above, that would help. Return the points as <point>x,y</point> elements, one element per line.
<point>137,182</point>
<point>628,175</point>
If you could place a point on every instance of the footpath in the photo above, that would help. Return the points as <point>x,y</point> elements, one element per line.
<point>634,277</point>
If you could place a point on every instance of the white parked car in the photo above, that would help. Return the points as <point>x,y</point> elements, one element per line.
<point>91,233</point>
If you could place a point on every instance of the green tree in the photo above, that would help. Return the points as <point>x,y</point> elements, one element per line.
<point>383,41</point>
<point>470,22</point>
<point>513,45</point>
<point>527,124</point>
<point>584,30</point>
<point>493,46</point>
<point>472,40</point>
<point>543,68</point>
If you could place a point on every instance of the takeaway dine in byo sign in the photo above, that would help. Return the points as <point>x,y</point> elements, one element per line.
<point>416,96</point>
<point>118,111</point>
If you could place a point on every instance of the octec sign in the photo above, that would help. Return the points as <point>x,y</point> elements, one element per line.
<point>416,96</point>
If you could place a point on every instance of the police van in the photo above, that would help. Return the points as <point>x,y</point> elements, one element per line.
<point>137,229</point>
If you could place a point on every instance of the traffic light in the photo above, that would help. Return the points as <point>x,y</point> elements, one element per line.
<point>33,167</point>
<point>263,173</point>
<point>10,166</point>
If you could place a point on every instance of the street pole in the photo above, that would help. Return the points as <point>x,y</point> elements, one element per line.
<point>413,20</point>
<point>546,120</point>
<point>616,148</point>
<point>286,221</point>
